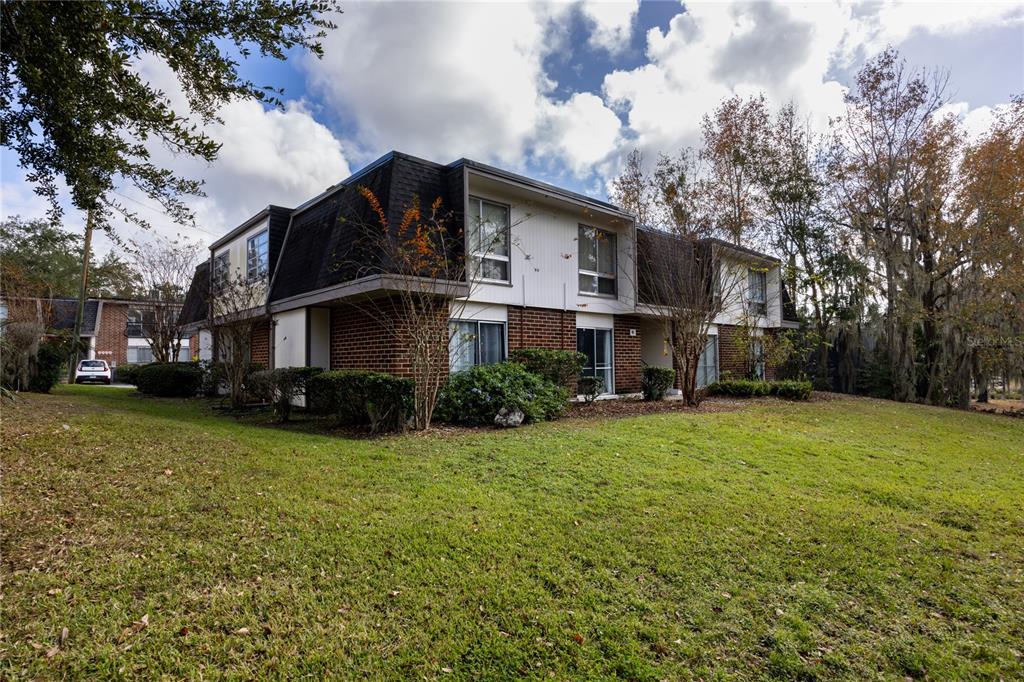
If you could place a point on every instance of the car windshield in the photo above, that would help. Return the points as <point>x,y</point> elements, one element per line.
<point>92,364</point>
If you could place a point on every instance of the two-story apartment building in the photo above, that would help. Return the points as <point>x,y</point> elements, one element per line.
<point>559,271</point>
<point>113,329</point>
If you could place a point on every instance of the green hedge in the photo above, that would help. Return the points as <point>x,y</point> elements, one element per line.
<point>745,388</point>
<point>476,396</point>
<point>51,364</point>
<point>358,397</point>
<point>169,379</point>
<point>792,390</point>
<point>128,373</point>
<point>560,367</point>
<point>739,388</point>
<point>656,381</point>
<point>590,387</point>
<point>282,387</point>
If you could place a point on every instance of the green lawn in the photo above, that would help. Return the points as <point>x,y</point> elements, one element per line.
<point>841,539</point>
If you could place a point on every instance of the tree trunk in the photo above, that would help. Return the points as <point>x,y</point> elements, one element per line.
<point>82,292</point>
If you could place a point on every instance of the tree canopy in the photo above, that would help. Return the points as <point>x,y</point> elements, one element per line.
<point>74,107</point>
<point>42,260</point>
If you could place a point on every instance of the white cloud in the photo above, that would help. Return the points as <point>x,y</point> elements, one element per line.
<point>582,131</point>
<point>612,23</point>
<point>877,25</point>
<point>446,80</point>
<point>267,156</point>
<point>440,80</point>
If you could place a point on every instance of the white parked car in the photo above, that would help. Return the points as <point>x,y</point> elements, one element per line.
<point>93,370</point>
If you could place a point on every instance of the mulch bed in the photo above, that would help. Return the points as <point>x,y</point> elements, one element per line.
<point>1008,408</point>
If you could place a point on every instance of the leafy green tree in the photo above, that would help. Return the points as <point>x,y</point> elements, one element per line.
<point>73,106</point>
<point>44,258</point>
<point>46,261</point>
<point>115,277</point>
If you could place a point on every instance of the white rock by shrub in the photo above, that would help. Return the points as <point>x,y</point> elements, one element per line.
<point>505,419</point>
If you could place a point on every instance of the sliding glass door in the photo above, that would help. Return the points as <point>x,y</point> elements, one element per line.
<point>596,344</point>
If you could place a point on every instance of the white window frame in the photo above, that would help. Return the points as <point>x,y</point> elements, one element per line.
<point>613,241</point>
<point>712,339</point>
<point>757,357</point>
<point>253,270</point>
<point>476,339</point>
<point>757,296</point>
<point>480,256</point>
<point>607,390</point>
<point>221,270</point>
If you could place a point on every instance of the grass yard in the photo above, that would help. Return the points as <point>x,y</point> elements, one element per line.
<point>842,539</point>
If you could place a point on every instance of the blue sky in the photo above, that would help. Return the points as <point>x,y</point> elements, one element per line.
<point>559,91</point>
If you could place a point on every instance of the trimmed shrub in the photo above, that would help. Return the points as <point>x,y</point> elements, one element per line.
<point>590,387</point>
<point>560,367</point>
<point>128,372</point>
<point>792,390</point>
<point>745,388</point>
<point>282,386</point>
<point>739,388</point>
<point>476,396</point>
<point>381,400</point>
<point>51,363</point>
<point>169,379</point>
<point>214,377</point>
<point>656,381</point>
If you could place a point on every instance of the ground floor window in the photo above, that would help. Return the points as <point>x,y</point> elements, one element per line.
<point>757,358</point>
<point>475,343</point>
<point>596,345</point>
<point>707,368</point>
<point>140,354</point>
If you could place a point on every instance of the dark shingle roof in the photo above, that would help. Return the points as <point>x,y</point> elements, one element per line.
<point>330,237</point>
<point>64,310</point>
<point>195,307</point>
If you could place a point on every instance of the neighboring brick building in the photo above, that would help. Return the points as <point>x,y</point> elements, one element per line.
<point>112,328</point>
<point>559,274</point>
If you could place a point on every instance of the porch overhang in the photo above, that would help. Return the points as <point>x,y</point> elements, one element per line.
<point>372,284</point>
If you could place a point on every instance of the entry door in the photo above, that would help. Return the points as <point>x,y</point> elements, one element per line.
<point>596,344</point>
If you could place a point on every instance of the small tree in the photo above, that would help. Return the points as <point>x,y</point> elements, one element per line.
<point>685,275</point>
<point>165,269</point>
<point>236,306</point>
<point>429,280</point>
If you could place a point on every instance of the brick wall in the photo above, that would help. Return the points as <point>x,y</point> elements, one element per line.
<point>732,358</point>
<point>259,345</point>
<point>359,341</point>
<point>732,354</point>
<point>541,328</point>
<point>111,341</point>
<point>627,354</point>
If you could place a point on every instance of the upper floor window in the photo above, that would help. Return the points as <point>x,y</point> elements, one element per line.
<point>134,322</point>
<point>221,265</point>
<point>597,261</point>
<point>257,258</point>
<point>757,291</point>
<point>489,239</point>
<point>140,322</point>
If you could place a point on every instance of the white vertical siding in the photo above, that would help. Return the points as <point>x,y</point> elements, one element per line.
<point>236,250</point>
<point>544,263</point>
<point>290,338</point>
<point>320,337</point>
